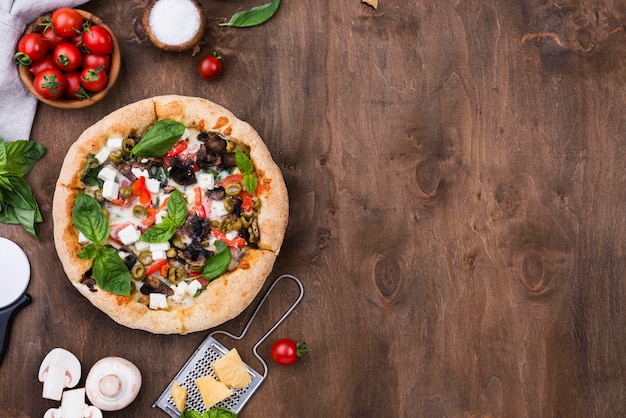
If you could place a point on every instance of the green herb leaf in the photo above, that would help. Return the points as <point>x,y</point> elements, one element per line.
<point>24,206</point>
<point>90,252</point>
<point>177,208</point>
<point>244,164</point>
<point>160,232</point>
<point>221,413</point>
<point>253,17</point>
<point>110,272</point>
<point>190,413</point>
<point>3,157</point>
<point>159,139</point>
<point>5,183</point>
<point>89,219</point>
<point>218,264</point>
<point>90,174</point>
<point>22,155</point>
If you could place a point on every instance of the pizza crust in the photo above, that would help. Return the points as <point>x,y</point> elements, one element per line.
<point>225,297</point>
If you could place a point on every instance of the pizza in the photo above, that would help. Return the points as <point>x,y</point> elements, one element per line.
<point>169,214</point>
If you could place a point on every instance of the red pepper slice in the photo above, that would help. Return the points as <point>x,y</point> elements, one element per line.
<point>141,191</point>
<point>178,147</point>
<point>233,243</point>
<point>156,266</point>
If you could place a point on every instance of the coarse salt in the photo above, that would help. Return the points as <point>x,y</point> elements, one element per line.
<point>174,22</point>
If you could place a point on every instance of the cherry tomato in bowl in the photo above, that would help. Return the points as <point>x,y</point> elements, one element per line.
<point>98,40</point>
<point>30,48</point>
<point>66,21</point>
<point>287,352</point>
<point>49,83</point>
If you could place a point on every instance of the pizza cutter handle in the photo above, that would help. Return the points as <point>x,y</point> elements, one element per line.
<point>6,316</point>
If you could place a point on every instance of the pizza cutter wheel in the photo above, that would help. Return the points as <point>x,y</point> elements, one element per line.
<point>210,350</point>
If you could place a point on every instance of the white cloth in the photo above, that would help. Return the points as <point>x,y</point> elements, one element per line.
<point>17,105</point>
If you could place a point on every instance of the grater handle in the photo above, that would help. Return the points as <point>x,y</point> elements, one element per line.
<point>267,334</point>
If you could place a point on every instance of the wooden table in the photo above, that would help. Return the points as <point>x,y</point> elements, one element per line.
<point>457,194</point>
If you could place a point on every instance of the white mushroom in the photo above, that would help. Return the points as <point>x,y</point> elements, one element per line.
<point>73,406</point>
<point>113,383</point>
<point>59,369</point>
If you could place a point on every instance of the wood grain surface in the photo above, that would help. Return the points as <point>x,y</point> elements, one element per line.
<point>457,191</point>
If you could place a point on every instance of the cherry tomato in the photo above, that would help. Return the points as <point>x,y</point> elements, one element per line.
<point>74,89</point>
<point>94,61</point>
<point>52,38</point>
<point>49,83</point>
<point>46,62</point>
<point>67,22</point>
<point>30,48</point>
<point>287,352</point>
<point>98,40</point>
<point>210,67</point>
<point>67,57</point>
<point>94,79</point>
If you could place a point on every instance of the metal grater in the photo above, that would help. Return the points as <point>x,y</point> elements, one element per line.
<point>210,350</point>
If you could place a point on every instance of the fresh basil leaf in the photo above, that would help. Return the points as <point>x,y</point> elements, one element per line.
<point>243,162</point>
<point>190,413</point>
<point>250,182</point>
<point>253,17</point>
<point>218,263</point>
<point>160,232</point>
<point>3,155</point>
<point>23,197</point>
<point>5,183</point>
<point>8,216</point>
<point>27,218</point>
<point>90,252</point>
<point>110,272</point>
<point>22,155</point>
<point>159,139</point>
<point>221,413</point>
<point>177,208</point>
<point>89,219</point>
<point>90,174</point>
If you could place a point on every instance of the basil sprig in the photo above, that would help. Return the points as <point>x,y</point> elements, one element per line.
<point>163,231</point>
<point>247,169</point>
<point>17,203</point>
<point>109,270</point>
<point>213,413</point>
<point>159,139</point>
<point>253,17</point>
<point>218,263</point>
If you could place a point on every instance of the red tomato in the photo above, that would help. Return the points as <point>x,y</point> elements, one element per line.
<point>94,61</point>
<point>52,38</point>
<point>94,79</point>
<point>67,57</point>
<point>287,352</point>
<point>67,22</point>
<point>74,89</point>
<point>210,67</point>
<point>30,48</point>
<point>98,40</point>
<point>46,62</point>
<point>49,83</point>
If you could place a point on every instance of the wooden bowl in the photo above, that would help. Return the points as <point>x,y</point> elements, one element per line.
<point>161,43</point>
<point>61,103</point>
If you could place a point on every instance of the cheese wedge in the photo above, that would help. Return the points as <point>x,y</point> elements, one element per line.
<point>179,396</point>
<point>231,370</point>
<point>212,391</point>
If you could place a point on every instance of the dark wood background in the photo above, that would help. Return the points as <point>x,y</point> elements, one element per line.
<point>456,172</point>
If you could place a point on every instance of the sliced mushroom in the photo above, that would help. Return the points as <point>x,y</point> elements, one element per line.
<point>73,406</point>
<point>59,369</point>
<point>113,383</point>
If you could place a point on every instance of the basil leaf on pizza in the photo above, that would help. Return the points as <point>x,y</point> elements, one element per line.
<point>159,139</point>
<point>159,217</point>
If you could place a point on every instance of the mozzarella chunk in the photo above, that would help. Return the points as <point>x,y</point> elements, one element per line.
<point>231,235</point>
<point>102,155</point>
<point>110,190</point>
<point>159,255</point>
<point>161,246</point>
<point>217,208</point>
<point>138,172</point>
<point>82,239</point>
<point>114,143</point>
<point>193,287</point>
<point>153,185</point>
<point>206,181</point>
<point>158,301</point>
<point>107,173</point>
<point>141,246</point>
<point>129,235</point>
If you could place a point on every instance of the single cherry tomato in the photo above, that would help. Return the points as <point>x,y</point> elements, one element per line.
<point>210,67</point>
<point>287,352</point>
<point>94,79</point>
<point>67,22</point>
<point>98,40</point>
<point>94,61</point>
<point>74,89</point>
<point>30,48</point>
<point>46,62</point>
<point>52,38</point>
<point>49,83</point>
<point>67,57</point>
